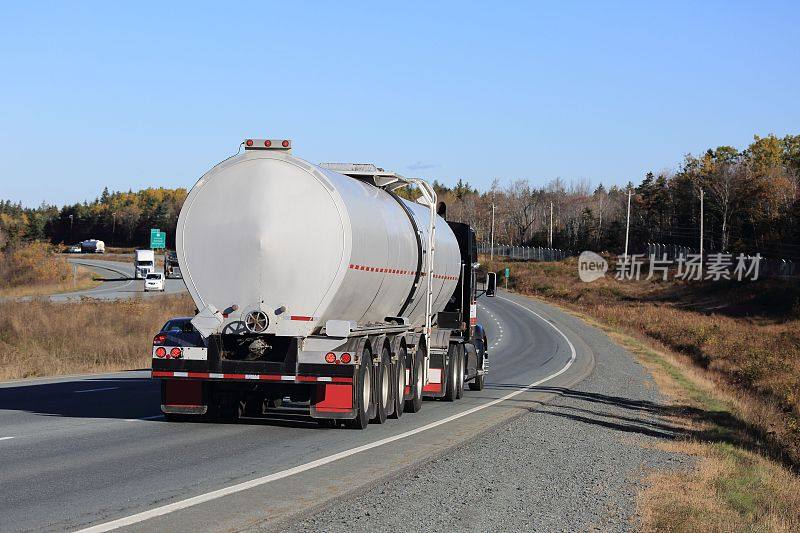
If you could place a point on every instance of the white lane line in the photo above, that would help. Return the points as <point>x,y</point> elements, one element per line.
<point>239,487</point>
<point>95,390</point>
<point>7,438</point>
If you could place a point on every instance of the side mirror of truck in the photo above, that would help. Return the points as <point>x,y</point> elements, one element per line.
<point>491,284</point>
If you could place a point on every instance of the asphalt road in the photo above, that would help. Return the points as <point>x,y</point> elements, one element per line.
<point>117,283</point>
<point>77,452</point>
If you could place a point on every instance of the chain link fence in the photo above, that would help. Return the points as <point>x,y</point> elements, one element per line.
<point>768,266</point>
<point>523,253</point>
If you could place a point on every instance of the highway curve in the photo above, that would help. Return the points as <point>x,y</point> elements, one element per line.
<point>94,451</point>
<point>117,283</point>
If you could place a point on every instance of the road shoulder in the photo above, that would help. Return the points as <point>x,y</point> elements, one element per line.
<point>574,463</point>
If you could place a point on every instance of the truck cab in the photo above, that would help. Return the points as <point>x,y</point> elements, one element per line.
<point>143,263</point>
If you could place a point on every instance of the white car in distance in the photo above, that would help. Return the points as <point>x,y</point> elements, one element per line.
<point>154,282</point>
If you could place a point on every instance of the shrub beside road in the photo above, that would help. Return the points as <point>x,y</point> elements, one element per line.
<point>33,269</point>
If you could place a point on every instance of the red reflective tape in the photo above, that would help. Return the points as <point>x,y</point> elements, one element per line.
<point>200,375</point>
<point>341,380</point>
<point>161,374</point>
<point>306,378</point>
<point>233,376</point>
<point>302,318</point>
<point>269,377</point>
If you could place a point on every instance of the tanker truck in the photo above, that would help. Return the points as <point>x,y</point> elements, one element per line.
<point>319,285</point>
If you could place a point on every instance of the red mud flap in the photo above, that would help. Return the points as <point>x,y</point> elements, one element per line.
<point>333,400</point>
<point>435,386</point>
<point>182,397</point>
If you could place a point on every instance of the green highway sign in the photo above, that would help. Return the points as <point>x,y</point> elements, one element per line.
<point>158,239</point>
<point>508,273</point>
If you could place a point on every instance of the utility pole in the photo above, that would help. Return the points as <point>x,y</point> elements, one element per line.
<point>702,194</point>
<point>491,250</point>
<point>628,224</point>
<point>113,223</point>
<point>550,240</point>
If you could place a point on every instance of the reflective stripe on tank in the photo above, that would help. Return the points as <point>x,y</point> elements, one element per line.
<point>399,272</point>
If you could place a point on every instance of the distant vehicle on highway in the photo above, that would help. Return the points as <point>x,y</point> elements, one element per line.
<point>154,282</point>
<point>93,246</point>
<point>171,267</point>
<point>144,263</point>
<point>179,331</point>
<point>74,249</point>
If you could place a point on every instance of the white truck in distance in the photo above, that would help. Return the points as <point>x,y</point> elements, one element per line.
<point>144,263</point>
<point>319,283</point>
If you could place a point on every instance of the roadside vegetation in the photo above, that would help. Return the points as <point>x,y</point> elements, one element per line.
<point>728,355</point>
<point>32,269</point>
<point>42,338</point>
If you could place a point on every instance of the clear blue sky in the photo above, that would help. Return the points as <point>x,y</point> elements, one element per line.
<point>101,94</point>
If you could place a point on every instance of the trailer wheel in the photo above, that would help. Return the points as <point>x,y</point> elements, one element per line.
<point>383,387</point>
<point>480,380</point>
<point>414,405</point>
<point>400,383</point>
<point>451,373</point>
<point>460,357</point>
<point>363,393</point>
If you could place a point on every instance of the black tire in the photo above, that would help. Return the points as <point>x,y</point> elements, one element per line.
<point>363,393</point>
<point>383,387</point>
<point>450,373</point>
<point>414,405</point>
<point>477,383</point>
<point>399,383</point>
<point>460,382</point>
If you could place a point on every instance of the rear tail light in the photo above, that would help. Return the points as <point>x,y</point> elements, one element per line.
<point>345,358</point>
<point>176,353</point>
<point>159,339</point>
<point>330,357</point>
<point>161,352</point>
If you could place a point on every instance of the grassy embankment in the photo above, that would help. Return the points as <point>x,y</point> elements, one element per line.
<point>728,356</point>
<point>34,270</point>
<point>42,338</point>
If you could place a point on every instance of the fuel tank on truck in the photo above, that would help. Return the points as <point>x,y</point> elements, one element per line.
<point>267,231</point>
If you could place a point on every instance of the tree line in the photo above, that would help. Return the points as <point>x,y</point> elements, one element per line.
<point>118,218</point>
<point>751,201</point>
<point>751,204</point>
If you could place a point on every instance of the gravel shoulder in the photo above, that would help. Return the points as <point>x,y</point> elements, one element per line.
<point>574,463</point>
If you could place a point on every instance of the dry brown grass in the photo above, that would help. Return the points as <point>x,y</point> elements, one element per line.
<point>116,257</point>
<point>724,372</point>
<point>42,338</point>
<point>83,279</point>
<point>734,487</point>
<point>745,337</point>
